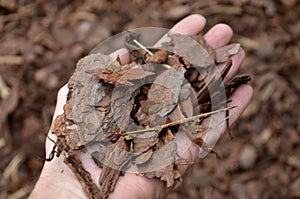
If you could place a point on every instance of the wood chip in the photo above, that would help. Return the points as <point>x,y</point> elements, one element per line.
<point>83,176</point>
<point>163,170</point>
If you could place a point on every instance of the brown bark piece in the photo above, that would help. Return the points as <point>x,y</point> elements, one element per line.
<point>237,80</point>
<point>158,57</point>
<point>115,161</point>
<point>99,151</point>
<point>162,164</point>
<point>82,119</point>
<point>163,95</point>
<point>121,78</point>
<point>144,141</point>
<point>144,157</point>
<point>190,50</point>
<point>58,125</point>
<point>173,60</point>
<point>83,176</point>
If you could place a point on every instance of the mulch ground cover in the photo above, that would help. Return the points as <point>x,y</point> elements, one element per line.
<point>41,41</point>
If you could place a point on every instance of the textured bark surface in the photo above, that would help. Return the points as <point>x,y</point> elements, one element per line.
<point>83,176</point>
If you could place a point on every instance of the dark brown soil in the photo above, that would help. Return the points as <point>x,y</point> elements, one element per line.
<point>40,42</point>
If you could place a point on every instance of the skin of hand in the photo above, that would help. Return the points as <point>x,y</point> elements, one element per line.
<point>57,180</point>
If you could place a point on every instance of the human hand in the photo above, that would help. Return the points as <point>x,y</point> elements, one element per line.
<point>58,181</point>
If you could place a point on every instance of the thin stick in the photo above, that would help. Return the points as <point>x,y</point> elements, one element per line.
<point>159,128</point>
<point>142,47</point>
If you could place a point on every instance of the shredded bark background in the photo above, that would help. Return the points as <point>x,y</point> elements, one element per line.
<point>40,50</point>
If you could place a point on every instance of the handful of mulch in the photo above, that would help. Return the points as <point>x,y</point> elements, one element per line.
<point>128,115</point>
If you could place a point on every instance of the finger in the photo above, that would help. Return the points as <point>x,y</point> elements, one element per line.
<point>237,60</point>
<point>217,123</point>
<point>139,187</point>
<point>123,55</point>
<point>240,98</point>
<point>218,36</point>
<point>191,25</point>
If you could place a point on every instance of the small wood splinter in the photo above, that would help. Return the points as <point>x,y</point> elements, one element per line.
<point>142,47</point>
